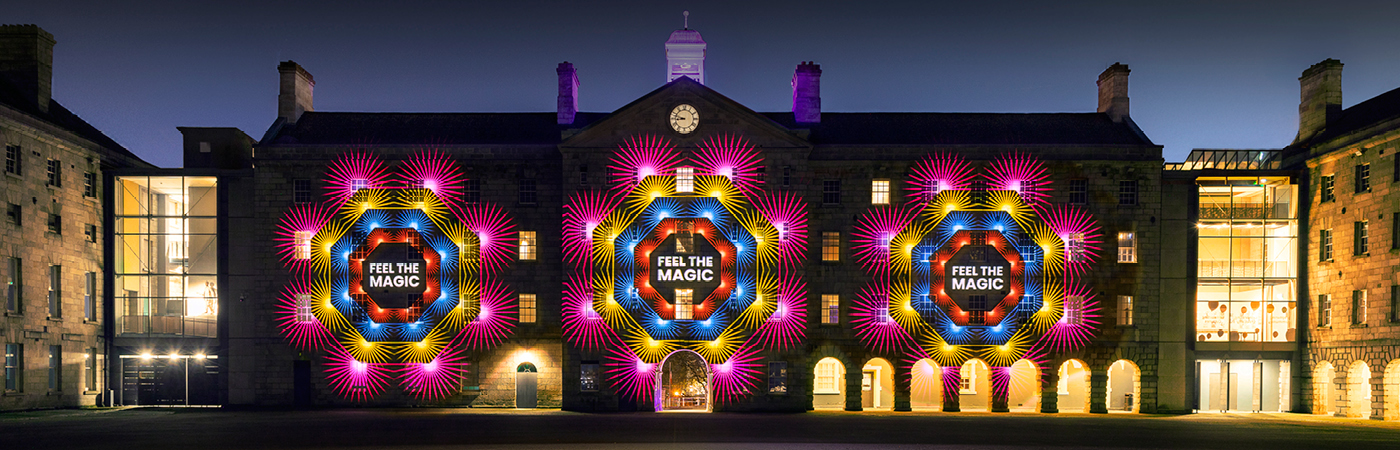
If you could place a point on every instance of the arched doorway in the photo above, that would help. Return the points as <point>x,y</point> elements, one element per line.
<point>526,383</point>
<point>1323,376</point>
<point>877,384</point>
<point>829,384</point>
<point>1073,388</point>
<point>975,387</point>
<point>1024,392</point>
<point>1359,390</point>
<point>1124,386</point>
<point>926,385</point>
<point>1390,386</point>
<point>684,383</point>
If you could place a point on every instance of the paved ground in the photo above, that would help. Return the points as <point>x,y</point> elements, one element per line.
<point>150,428</point>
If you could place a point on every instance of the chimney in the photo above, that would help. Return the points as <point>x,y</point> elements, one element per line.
<point>568,93</point>
<point>1321,101</point>
<point>294,97</point>
<point>807,93</point>
<point>26,60</point>
<point>1113,92</point>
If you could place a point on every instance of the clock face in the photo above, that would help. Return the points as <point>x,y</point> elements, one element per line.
<point>684,119</point>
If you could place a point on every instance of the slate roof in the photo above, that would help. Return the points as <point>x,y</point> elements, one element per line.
<point>966,129</point>
<point>25,102</point>
<point>1362,115</point>
<point>351,128</point>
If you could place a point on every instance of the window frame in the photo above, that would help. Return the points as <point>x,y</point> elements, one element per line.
<point>831,192</point>
<point>529,245</point>
<point>89,184</point>
<point>880,191</point>
<point>54,173</point>
<point>688,306</point>
<point>55,224</point>
<point>831,309</point>
<point>528,307</point>
<point>589,373</point>
<point>1327,188</point>
<point>527,191</point>
<point>1362,182</point>
<point>826,377</point>
<point>14,295</point>
<point>1324,245</point>
<point>55,368</point>
<point>90,296</point>
<point>302,191</point>
<point>1324,310</point>
<point>1361,238</point>
<point>831,246</point>
<point>1128,193</point>
<point>14,214</point>
<point>1079,191</point>
<point>1125,311</point>
<point>1358,307</point>
<point>685,180</point>
<point>777,378</point>
<point>14,160</point>
<point>1127,254</point>
<point>14,367</point>
<point>55,291</point>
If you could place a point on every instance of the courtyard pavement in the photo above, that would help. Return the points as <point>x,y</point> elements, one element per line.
<point>213,428</point>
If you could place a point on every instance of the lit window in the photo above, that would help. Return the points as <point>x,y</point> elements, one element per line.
<point>1125,310</point>
<point>1127,192</point>
<point>528,246</point>
<point>303,312</point>
<point>828,377</point>
<point>1075,250</point>
<point>1324,241</point>
<point>831,308</point>
<point>1358,307</point>
<point>359,183</point>
<point>1127,247</point>
<point>968,378</point>
<point>685,179</point>
<point>588,376</point>
<point>685,237</point>
<point>90,296</point>
<point>1074,310</point>
<point>14,367</point>
<point>882,314</point>
<point>527,308</point>
<point>1324,310</point>
<point>684,306</point>
<point>831,246</point>
<point>880,192</point>
<point>301,242</point>
<point>1327,190</point>
<point>777,377</point>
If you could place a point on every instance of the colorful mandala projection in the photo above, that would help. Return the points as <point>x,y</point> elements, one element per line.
<point>976,266</point>
<point>685,257</point>
<point>391,276</point>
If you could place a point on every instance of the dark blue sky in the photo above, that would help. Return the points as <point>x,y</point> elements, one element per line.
<point>1218,74</point>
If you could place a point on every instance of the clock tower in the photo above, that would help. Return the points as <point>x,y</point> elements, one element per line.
<point>685,54</point>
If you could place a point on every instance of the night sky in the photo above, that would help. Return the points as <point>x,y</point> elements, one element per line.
<point>1209,74</point>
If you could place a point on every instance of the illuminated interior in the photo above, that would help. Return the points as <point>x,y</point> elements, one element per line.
<point>166,255</point>
<point>1248,267</point>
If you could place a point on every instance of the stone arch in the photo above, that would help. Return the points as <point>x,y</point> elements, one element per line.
<point>665,400</point>
<point>1323,376</point>
<point>877,384</point>
<point>1124,379</point>
<point>926,385</point>
<point>1073,386</point>
<point>1358,390</point>
<point>1390,388</point>
<point>840,400</point>
<point>975,388</point>
<point>1024,392</point>
<point>829,383</point>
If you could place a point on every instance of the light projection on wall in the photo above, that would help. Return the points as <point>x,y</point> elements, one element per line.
<point>684,256</point>
<point>976,265</point>
<point>392,276</point>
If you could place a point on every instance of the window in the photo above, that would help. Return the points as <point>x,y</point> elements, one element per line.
<point>359,183</point>
<point>301,243</point>
<point>528,311</point>
<point>1074,310</point>
<point>55,291</point>
<point>529,246</point>
<point>588,376</point>
<point>1324,245</point>
<point>1395,230</point>
<point>1324,310</point>
<point>882,314</point>
<point>1327,191</point>
<point>1075,250</point>
<point>761,176</point>
<point>831,308</point>
<point>90,369</point>
<point>1395,303</point>
<point>1125,310</point>
<point>1363,178</point>
<point>1358,307</point>
<point>827,377</point>
<point>90,296</point>
<point>90,184</point>
<point>777,377</point>
<point>831,192</point>
<point>55,223</point>
<point>55,368</point>
<point>1128,192</point>
<point>14,286</point>
<point>471,190</point>
<point>14,214</point>
<point>55,173</point>
<point>90,233</point>
<point>967,378</point>
<point>14,162</point>
<point>583,174</point>
<point>304,313</point>
<point>684,306</point>
<point>685,179</point>
<point>685,237</point>
<point>880,192</point>
<point>1360,239</point>
<point>1127,247</point>
<point>301,191</point>
<point>787,176</point>
<point>1079,191</point>
<point>831,246</point>
<point>14,367</point>
<point>978,191</point>
<point>527,191</point>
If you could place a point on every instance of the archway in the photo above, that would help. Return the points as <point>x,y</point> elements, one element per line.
<point>1390,387</point>
<point>975,389</point>
<point>1023,394</point>
<point>1073,389</point>
<point>926,385</point>
<point>1322,388</point>
<point>1359,390</point>
<point>684,383</point>
<point>829,384</point>
<point>877,384</point>
<point>526,379</point>
<point>1124,386</point>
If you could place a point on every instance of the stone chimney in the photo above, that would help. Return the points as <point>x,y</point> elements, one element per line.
<point>1113,92</point>
<point>1321,101</point>
<point>568,93</point>
<point>807,93</point>
<point>26,60</point>
<point>294,97</point>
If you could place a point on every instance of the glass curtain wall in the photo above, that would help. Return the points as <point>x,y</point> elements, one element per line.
<point>166,255</point>
<point>1247,270</point>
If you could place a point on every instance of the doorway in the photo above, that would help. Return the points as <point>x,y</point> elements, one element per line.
<point>684,383</point>
<point>526,377</point>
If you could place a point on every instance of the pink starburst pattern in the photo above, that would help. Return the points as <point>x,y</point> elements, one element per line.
<point>583,327</point>
<point>354,170</point>
<point>876,227</point>
<point>1001,381</point>
<point>631,376</point>
<point>434,171</point>
<point>1079,232</point>
<point>494,320</point>
<point>294,232</point>
<point>641,157</point>
<point>925,377</point>
<point>293,317</point>
<point>1078,323</point>
<point>730,156</point>
<point>1021,173</point>
<point>495,232</point>
<point>437,378</point>
<point>870,316</point>
<point>785,326</point>
<point>736,376</point>
<point>788,214</point>
<point>939,172</point>
<point>582,214</point>
<point>357,380</point>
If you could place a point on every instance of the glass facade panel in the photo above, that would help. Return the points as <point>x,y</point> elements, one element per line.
<point>1247,264</point>
<point>167,255</point>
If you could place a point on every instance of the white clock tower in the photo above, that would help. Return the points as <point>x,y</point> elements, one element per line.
<point>685,54</point>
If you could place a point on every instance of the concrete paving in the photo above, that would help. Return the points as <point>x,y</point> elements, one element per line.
<point>156,428</point>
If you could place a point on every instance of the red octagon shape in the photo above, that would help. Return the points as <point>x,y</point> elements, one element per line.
<point>947,275</point>
<point>701,228</point>
<point>432,288</point>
